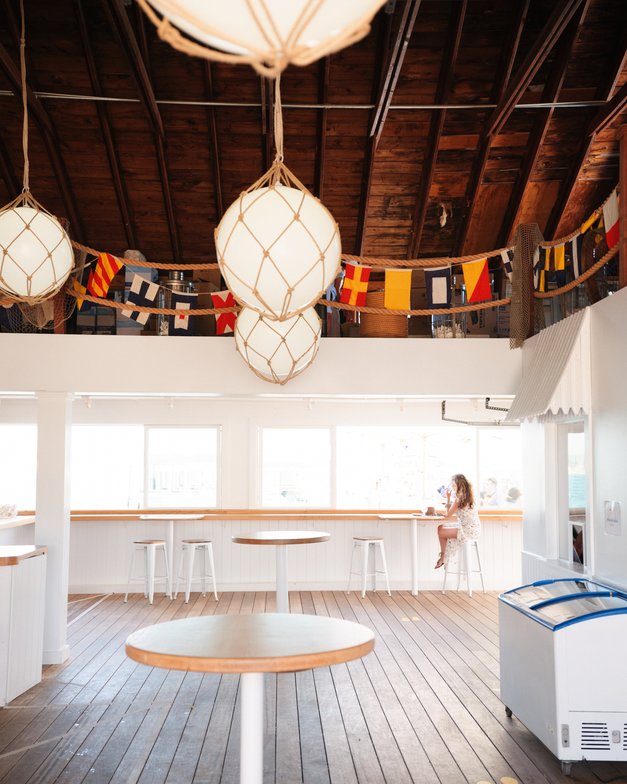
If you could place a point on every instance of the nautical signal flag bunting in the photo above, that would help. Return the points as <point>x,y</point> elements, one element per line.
<point>477,280</point>
<point>397,294</point>
<point>101,276</point>
<point>355,285</point>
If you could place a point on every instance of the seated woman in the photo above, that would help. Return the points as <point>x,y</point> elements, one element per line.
<point>461,503</point>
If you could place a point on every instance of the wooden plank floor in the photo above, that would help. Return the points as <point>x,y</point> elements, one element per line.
<point>423,707</point>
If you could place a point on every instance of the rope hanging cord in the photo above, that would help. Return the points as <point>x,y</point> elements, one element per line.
<point>583,277</point>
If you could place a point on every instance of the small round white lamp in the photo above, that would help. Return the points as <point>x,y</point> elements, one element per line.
<point>277,351</point>
<point>278,248</point>
<point>36,255</point>
<point>267,34</point>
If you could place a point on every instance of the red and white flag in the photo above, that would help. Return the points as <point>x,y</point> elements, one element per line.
<point>610,219</point>
<point>225,322</point>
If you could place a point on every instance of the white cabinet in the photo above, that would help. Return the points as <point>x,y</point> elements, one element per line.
<point>22,590</point>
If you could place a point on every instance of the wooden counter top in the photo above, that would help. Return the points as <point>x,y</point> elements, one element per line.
<point>16,522</point>
<point>12,554</point>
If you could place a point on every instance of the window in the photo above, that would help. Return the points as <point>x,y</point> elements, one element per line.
<point>295,467</point>
<point>500,468</point>
<point>18,465</point>
<point>132,466</point>
<point>181,467</point>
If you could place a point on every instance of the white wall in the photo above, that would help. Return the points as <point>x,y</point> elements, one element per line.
<point>609,416</point>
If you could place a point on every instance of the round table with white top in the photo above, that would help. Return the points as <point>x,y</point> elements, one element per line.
<point>250,645</point>
<point>281,539</point>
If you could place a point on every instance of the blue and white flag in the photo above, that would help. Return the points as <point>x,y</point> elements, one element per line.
<point>181,325</point>
<point>142,293</point>
<point>438,287</point>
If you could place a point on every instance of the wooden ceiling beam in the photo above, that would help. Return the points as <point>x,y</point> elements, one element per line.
<point>395,65</point>
<point>437,124</point>
<point>122,25</point>
<point>324,68</point>
<point>105,128</point>
<point>383,45</point>
<point>141,47</point>
<point>503,73</point>
<point>214,141</point>
<point>541,122</point>
<point>608,113</point>
<point>50,139</point>
<point>567,187</point>
<point>554,27</point>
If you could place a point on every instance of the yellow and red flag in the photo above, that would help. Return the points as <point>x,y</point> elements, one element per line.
<point>397,294</point>
<point>355,285</point>
<point>477,280</point>
<point>100,278</point>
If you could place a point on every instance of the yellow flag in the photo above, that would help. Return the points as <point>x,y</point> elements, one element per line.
<point>587,223</point>
<point>397,295</point>
<point>558,257</point>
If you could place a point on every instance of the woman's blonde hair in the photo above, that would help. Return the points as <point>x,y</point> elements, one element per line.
<point>463,492</point>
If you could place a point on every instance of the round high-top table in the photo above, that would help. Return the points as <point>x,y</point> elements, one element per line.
<point>414,519</point>
<point>281,539</point>
<point>250,645</point>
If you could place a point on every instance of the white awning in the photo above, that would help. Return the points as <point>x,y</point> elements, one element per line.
<point>556,371</point>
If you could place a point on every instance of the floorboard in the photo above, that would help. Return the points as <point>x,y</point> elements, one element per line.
<point>422,708</point>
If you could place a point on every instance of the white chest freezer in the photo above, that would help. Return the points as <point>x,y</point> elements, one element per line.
<point>563,645</point>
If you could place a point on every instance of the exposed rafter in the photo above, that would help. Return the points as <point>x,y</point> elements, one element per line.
<point>609,113</point>
<point>604,92</point>
<point>105,128</point>
<point>383,43</point>
<point>503,73</point>
<point>141,47</point>
<point>542,122</point>
<point>122,24</point>
<point>321,143</point>
<point>554,27</point>
<point>437,124</point>
<point>50,140</point>
<point>395,64</point>
<point>214,142</point>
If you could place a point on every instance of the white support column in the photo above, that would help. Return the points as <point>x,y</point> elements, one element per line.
<point>52,526</point>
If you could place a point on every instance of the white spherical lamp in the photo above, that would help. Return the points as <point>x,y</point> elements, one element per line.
<point>278,249</point>
<point>277,351</point>
<point>267,34</point>
<point>36,255</point>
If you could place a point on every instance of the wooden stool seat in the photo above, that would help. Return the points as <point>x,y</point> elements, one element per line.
<point>186,566</point>
<point>368,544</point>
<point>149,548</point>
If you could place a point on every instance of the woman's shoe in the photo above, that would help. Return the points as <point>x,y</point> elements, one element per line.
<point>440,561</point>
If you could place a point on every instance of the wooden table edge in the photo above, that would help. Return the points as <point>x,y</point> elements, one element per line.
<point>251,539</point>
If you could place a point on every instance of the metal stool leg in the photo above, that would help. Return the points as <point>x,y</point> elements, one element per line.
<point>189,567</point>
<point>467,567</point>
<point>385,568</point>
<point>364,564</point>
<point>350,571</point>
<point>479,565</point>
<point>213,570</point>
<point>150,574</point>
<point>168,579</point>
<point>179,572</point>
<point>130,573</point>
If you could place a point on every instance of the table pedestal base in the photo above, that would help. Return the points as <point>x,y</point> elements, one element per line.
<point>251,741</point>
<point>282,596</point>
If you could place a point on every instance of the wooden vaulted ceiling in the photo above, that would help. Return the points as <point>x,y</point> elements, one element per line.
<point>503,111</point>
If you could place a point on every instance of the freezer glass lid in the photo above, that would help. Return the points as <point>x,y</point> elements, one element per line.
<point>529,595</point>
<point>569,609</point>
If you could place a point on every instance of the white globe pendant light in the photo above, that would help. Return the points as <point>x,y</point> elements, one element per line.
<point>278,248</point>
<point>277,351</point>
<point>36,255</point>
<point>267,34</point>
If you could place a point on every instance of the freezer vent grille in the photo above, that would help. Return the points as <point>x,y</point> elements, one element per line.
<point>595,735</point>
<point>624,737</point>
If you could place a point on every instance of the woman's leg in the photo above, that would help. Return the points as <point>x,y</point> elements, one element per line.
<point>445,532</point>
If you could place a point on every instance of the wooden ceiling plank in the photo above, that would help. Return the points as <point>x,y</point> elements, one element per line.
<point>395,65</point>
<point>105,128</point>
<point>122,25</point>
<point>503,73</point>
<point>437,124</point>
<point>383,44</point>
<point>541,122</point>
<point>608,113</point>
<point>141,47</point>
<point>7,172</point>
<point>554,27</point>
<point>214,141</point>
<point>567,187</point>
<point>321,139</point>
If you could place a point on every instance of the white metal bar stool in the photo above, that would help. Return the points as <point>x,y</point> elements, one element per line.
<point>186,566</point>
<point>464,558</point>
<point>149,548</point>
<point>369,544</point>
